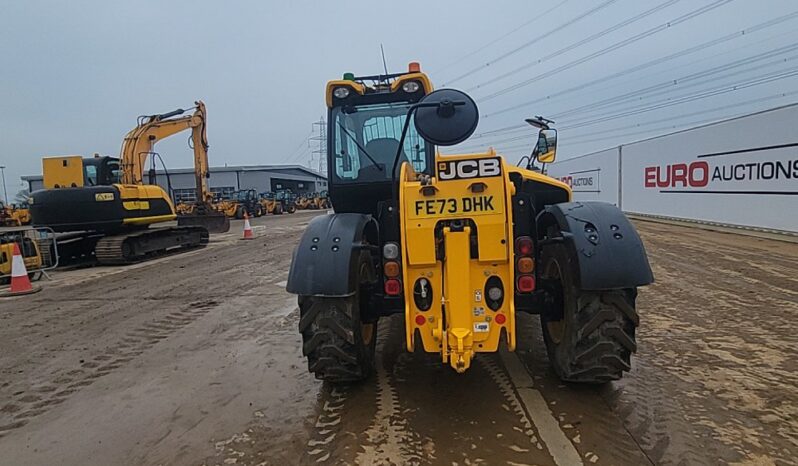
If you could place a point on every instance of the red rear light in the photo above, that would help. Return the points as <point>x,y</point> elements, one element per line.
<point>420,320</point>
<point>501,319</point>
<point>524,246</point>
<point>526,284</point>
<point>393,287</point>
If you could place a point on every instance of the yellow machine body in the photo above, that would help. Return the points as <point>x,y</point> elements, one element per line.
<point>459,323</point>
<point>31,255</point>
<point>63,171</point>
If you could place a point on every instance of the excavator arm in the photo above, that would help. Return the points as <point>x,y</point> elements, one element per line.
<point>140,142</point>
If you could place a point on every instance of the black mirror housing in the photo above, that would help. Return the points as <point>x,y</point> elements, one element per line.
<point>446,117</point>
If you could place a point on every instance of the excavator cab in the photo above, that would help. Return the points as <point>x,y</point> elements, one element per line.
<point>458,244</point>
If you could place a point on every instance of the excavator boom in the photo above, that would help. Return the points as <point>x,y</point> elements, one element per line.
<point>139,143</point>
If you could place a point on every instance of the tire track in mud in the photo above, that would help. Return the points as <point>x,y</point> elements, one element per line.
<point>327,426</point>
<point>32,401</point>
<point>390,439</point>
<point>502,380</point>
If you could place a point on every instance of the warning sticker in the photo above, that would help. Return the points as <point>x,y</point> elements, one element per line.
<point>481,327</point>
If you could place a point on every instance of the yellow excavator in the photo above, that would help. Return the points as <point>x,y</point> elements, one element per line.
<point>107,209</point>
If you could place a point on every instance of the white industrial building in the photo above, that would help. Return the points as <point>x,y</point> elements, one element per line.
<point>740,172</point>
<point>228,179</point>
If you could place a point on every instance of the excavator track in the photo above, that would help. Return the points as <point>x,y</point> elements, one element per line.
<point>140,245</point>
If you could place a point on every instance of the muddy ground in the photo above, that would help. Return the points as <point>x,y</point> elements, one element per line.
<point>195,359</point>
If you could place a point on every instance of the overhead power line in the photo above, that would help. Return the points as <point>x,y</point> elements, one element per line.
<point>577,44</point>
<point>649,64</point>
<point>538,16</point>
<point>618,45</point>
<point>669,102</point>
<point>296,153</point>
<point>668,86</point>
<point>533,41</point>
<point>745,103</point>
<point>568,128</point>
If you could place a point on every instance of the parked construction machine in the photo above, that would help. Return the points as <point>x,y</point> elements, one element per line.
<point>104,207</point>
<point>287,199</point>
<point>270,203</point>
<point>31,254</point>
<point>244,201</point>
<point>458,244</point>
<point>14,215</point>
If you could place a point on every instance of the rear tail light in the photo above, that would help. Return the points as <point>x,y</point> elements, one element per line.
<point>526,284</point>
<point>524,246</point>
<point>391,269</point>
<point>390,251</point>
<point>393,287</point>
<point>500,319</point>
<point>525,265</point>
<point>420,320</point>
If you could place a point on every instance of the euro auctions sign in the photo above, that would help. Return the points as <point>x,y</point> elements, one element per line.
<point>742,171</point>
<point>757,170</point>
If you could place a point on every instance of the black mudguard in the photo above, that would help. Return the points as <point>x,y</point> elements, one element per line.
<point>608,251</point>
<point>325,260</point>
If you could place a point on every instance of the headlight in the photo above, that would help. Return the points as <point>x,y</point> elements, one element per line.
<point>341,92</point>
<point>410,87</point>
<point>390,251</point>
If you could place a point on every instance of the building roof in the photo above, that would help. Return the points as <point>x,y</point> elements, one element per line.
<point>231,168</point>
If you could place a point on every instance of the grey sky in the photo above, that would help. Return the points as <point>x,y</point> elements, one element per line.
<point>75,75</point>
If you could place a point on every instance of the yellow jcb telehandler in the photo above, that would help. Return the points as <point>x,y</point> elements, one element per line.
<point>457,244</point>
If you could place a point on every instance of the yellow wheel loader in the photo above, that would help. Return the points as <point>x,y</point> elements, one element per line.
<point>270,203</point>
<point>14,215</point>
<point>304,202</point>
<point>458,245</point>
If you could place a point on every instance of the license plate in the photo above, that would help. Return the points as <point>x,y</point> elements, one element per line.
<point>456,206</point>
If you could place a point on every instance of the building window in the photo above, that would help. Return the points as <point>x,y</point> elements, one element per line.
<point>185,195</point>
<point>223,192</point>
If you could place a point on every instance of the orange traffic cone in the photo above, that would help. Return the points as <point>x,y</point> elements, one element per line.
<point>20,283</point>
<point>247,228</point>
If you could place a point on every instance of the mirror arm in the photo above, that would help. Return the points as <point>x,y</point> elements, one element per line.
<point>410,112</point>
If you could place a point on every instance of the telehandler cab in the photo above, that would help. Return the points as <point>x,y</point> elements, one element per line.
<point>457,244</point>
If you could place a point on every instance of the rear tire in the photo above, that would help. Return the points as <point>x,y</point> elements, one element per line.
<point>339,346</point>
<point>589,335</point>
<point>239,213</point>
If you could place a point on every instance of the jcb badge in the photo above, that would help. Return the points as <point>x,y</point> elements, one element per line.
<point>472,168</point>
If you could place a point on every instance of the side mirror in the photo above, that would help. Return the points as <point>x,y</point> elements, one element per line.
<point>547,146</point>
<point>446,117</point>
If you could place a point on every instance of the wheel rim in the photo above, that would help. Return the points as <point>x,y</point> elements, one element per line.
<point>555,328</point>
<point>367,332</point>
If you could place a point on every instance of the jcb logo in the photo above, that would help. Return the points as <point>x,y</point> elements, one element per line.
<point>464,169</point>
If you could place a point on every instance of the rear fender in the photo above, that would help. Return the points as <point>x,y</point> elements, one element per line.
<point>325,261</point>
<point>608,253</point>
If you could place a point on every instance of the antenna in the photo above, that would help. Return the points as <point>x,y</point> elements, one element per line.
<point>384,64</point>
